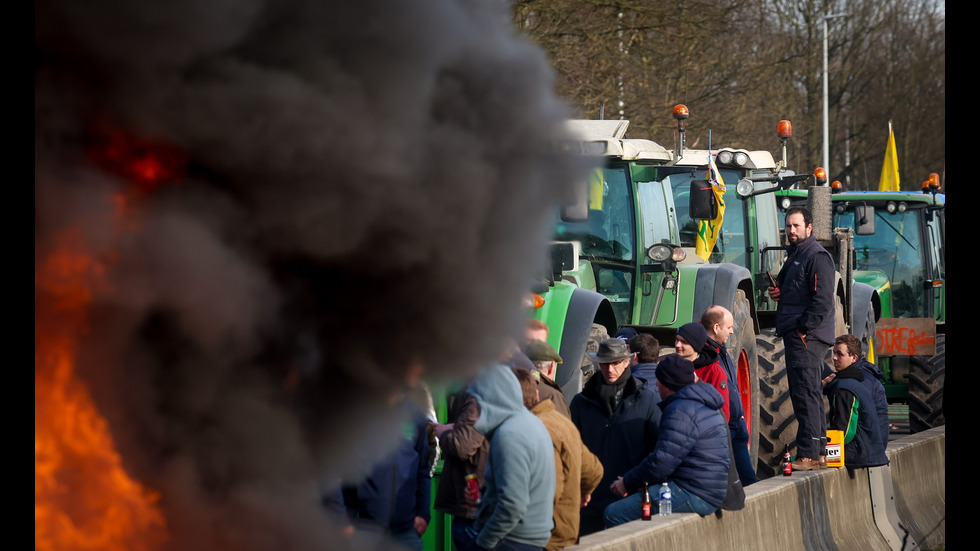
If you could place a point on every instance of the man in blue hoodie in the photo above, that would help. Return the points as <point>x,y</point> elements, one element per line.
<point>691,454</point>
<point>517,500</point>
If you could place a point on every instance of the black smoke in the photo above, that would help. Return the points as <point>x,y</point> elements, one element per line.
<point>367,187</point>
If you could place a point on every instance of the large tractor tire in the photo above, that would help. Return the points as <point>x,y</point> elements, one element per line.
<point>776,420</point>
<point>742,348</point>
<point>927,376</point>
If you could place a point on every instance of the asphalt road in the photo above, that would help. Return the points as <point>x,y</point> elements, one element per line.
<point>898,416</point>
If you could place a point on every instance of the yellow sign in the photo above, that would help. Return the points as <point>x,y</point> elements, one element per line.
<point>835,448</point>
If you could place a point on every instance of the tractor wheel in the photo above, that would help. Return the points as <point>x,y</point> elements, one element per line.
<point>776,422</point>
<point>742,348</point>
<point>927,377</point>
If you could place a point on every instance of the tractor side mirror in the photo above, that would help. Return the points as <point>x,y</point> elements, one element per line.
<point>703,205</point>
<point>864,220</point>
<point>576,206</point>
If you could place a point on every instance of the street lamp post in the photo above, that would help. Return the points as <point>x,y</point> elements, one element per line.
<point>826,94</point>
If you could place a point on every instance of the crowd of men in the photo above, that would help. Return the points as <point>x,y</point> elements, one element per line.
<point>526,469</point>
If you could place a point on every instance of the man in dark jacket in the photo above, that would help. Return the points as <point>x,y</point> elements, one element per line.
<point>464,452</point>
<point>619,420</point>
<point>719,325</point>
<point>647,351</point>
<point>805,320</point>
<point>395,496</point>
<point>691,454</point>
<point>872,380</point>
<point>852,410</point>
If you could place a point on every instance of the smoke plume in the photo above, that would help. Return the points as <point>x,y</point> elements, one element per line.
<point>363,187</point>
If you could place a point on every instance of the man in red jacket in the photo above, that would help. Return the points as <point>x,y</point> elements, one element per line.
<point>691,343</point>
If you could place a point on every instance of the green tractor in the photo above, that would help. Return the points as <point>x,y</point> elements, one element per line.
<point>900,252</point>
<point>627,258</point>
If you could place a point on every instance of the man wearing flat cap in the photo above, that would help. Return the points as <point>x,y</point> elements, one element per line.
<point>619,420</point>
<point>691,455</point>
<point>546,359</point>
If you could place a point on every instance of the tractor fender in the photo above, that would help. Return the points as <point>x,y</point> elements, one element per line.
<point>864,298</point>
<point>584,308</point>
<point>717,284</point>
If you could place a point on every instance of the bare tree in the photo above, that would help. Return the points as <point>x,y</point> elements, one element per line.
<point>742,65</point>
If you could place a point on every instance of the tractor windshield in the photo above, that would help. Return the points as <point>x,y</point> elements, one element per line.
<point>609,233</point>
<point>732,244</point>
<point>896,250</point>
<point>608,237</point>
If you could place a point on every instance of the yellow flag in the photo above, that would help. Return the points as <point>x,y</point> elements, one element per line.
<point>708,230</point>
<point>889,170</point>
<point>596,189</point>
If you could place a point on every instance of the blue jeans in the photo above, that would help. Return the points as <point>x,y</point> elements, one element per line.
<point>409,539</point>
<point>458,531</point>
<point>629,508</point>
<point>467,541</point>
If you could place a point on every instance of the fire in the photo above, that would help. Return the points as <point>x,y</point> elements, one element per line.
<point>83,498</point>
<point>144,163</point>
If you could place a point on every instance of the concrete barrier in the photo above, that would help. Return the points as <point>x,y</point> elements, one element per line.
<point>830,509</point>
<point>919,479</point>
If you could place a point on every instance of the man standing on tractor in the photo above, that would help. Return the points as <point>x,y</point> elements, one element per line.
<point>804,292</point>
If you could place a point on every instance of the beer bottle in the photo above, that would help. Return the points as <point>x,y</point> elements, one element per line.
<point>647,503</point>
<point>787,464</point>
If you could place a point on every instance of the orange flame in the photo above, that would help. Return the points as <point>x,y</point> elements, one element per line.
<point>83,499</point>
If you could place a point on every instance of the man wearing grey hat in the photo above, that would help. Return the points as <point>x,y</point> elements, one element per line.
<point>619,420</point>
<point>691,455</point>
<point>546,359</point>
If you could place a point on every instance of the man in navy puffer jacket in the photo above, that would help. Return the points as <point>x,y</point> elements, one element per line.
<point>691,454</point>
